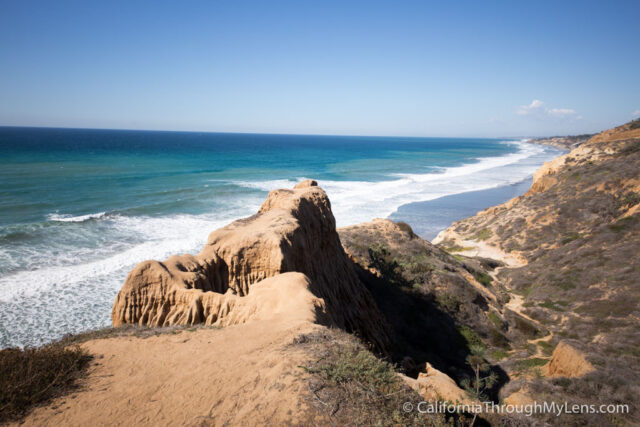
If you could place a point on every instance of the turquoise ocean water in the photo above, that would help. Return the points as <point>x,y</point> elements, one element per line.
<point>79,208</point>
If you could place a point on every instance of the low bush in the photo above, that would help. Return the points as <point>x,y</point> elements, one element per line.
<point>547,347</point>
<point>530,363</point>
<point>496,320</point>
<point>34,375</point>
<point>499,354</point>
<point>623,224</point>
<point>471,338</point>
<point>353,387</point>
<point>380,259</point>
<point>571,238</point>
<point>483,278</point>
<point>483,234</point>
<point>448,301</point>
<point>406,228</point>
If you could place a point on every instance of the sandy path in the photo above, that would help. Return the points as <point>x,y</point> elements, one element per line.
<point>515,304</point>
<point>241,374</point>
<point>478,248</point>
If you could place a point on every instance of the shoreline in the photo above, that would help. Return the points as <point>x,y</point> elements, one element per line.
<point>428,218</point>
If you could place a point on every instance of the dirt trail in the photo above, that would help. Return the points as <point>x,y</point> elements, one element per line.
<point>516,301</point>
<point>477,248</point>
<point>515,304</point>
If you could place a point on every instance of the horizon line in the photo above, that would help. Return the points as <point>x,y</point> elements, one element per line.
<point>282,133</point>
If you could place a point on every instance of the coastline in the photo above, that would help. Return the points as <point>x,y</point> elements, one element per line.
<point>95,280</point>
<point>430,217</point>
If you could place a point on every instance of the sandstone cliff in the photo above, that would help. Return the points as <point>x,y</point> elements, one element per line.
<point>294,231</point>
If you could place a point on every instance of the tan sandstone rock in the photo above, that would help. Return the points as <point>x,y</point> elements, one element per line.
<point>567,361</point>
<point>436,385</point>
<point>294,231</point>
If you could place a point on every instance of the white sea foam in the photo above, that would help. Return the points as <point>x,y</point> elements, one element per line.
<point>79,218</point>
<point>163,236</point>
<point>47,302</point>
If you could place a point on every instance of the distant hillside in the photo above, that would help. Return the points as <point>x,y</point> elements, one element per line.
<point>576,233</point>
<point>564,142</point>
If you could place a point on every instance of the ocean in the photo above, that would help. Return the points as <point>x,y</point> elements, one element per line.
<point>80,208</point>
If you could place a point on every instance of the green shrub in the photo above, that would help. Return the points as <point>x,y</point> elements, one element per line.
<point>498,339</point>
<point>448,301</point>
<point>483,234</point>
<point>360,366</point>
<point>499,354</point>
<point>418,264</point>
<point>496,320</point>
<point>380,259</point>
<point>483,278</point>
<point>533,362</point>
<point>471,338</point>
<point>546,346</point>
<point>554,305</point>
<point>623,224</point>
<point>571,238</point>
<point>526,327</point>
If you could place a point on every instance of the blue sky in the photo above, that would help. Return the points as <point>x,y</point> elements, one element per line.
<point>334,67</point>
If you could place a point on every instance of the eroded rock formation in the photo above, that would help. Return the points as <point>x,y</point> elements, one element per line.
<point>567,361</point>
<point>436,385</point>
<point>294,231</point>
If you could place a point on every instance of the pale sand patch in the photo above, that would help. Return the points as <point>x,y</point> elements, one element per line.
<point>478,248</point>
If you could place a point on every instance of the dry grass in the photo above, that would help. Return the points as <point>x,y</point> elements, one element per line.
<point>581,278</point>
<point>351,386</point>
<point>36,375</point>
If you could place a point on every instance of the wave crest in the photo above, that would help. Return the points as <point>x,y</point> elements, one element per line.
<point>80,218</point>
